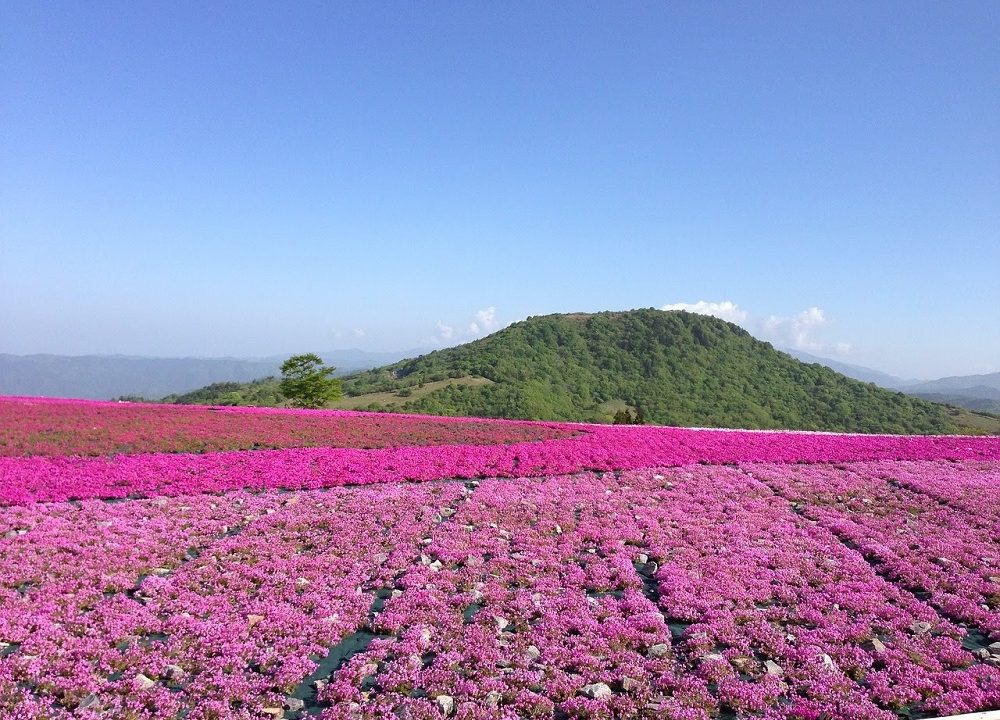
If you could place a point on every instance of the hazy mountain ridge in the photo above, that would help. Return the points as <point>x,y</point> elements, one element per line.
<point>857,372</point>
<point>103,377</point>
<point>979,393</point>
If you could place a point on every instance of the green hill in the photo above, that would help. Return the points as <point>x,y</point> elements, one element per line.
<point>677,368</point>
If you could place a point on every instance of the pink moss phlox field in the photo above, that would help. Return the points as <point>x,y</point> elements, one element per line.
<point>594,447</point>
<point>686,593</point>
<point>55,427</point>
<point>538,570</point>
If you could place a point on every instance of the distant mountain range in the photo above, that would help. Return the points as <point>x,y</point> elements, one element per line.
<point>104,377</point>
<point>980,393</point>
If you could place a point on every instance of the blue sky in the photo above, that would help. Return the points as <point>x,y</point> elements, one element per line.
<point>249,179</point>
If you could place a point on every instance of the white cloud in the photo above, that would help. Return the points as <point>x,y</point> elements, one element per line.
<point>444,332</point>
<point>481,323</point>
<point>725,310</point>
<point>485,322</point>
<point>800,332</point>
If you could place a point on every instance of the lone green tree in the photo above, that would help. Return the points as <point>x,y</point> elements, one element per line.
<point>306,382</point>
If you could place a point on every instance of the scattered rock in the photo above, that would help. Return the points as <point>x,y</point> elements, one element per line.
<point>643,558</point>
<point>558,529</point>
<point>446,703</point>
<point>532,653</point>
<point>659,650</point>
<point>254,619</point>
<point>275,712</point>
<point>320,684</point>
<point>920,627</point>
<point>713,657</point>
<point>160,571</point>
<point>294,704</point>
<point>396,594</point>
<point>436,565</point>
<point>773,668</point>
<point>492,698</point>
<point>143,682</point>
<point>875,645</point>
<point>994,647</point>
<point>501,622</point>
<point>425,635</point>
<point>630,684</point>
<point>657,704</point>
<point>91,702</point>
<point>596,691</point>
<point>447,512</point>
<point>173,672</point>
<point>301,582</point>
<point>828,662</point>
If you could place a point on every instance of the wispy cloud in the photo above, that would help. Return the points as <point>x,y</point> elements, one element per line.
<point>485,322</point>
<point>801,331</point>
<point>726,310</point>
<point>482,322</point>
<point>444,332</point>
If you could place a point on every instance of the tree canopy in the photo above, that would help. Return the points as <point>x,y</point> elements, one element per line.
<point>307,383</point>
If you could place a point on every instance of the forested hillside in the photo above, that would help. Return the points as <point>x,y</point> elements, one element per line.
<point>674,368</point>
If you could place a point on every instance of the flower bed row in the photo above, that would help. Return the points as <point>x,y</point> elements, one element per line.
<point>52,427</point>
<point>594,447</point>
<point>915,540</point>
<point>973,488</point>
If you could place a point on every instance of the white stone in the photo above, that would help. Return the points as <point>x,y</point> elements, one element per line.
<point>596,691</point>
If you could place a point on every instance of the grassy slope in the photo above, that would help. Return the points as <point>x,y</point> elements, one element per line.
<point>394,401</point>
